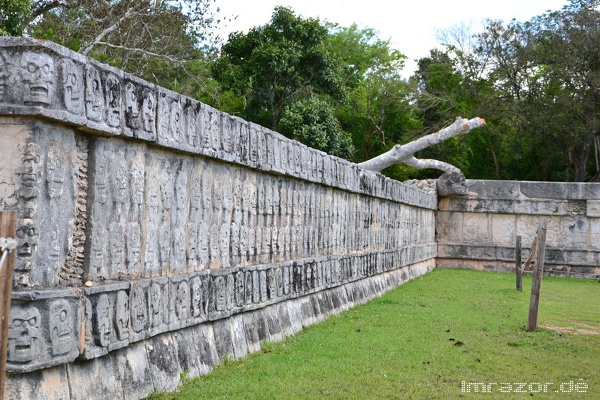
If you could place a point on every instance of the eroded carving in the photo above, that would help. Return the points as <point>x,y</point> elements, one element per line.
<point>55,175</point>
<point>157,300</point>
<point>37,72</point>
<point>132,109</point>
<point>61,327</point>
<point>122,315</point>
<point>23,333</point>
<point>94,97</point>
<point>198,297</point>
<point>102,321</point>
<point>113,101</point>
<point>73,86</point>
<point>139,310</point>
<point>220,295</point>
<point>182,301</point>
<point>5,67</point>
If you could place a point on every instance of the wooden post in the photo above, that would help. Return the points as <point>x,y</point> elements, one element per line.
<point>538,272</point>
<point>518,270</point>
<point>8,229</point>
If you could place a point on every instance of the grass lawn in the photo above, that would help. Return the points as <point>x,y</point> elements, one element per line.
<point>423,339</point>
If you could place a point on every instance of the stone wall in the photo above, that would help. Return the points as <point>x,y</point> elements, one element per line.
<point>479,231</point>
<point>158,235</point>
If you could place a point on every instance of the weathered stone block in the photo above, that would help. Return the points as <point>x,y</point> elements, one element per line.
<point>223,339</point>
<point>134,371</point>
<point>238,336</point>
<point>574,232</point>
<point>491,189</point>
<point>208,349</point>
<point>593,208</point>
<point>43,329</point>
<point>49,383</point>
<point>503,230</point>
<point>95,376</point>
<point>165,370</point>
<point>107,311</point>
<point>284,319</point>
<point>251,327</point>
<point>595,233</point>
<point>295,310</point>
<point>477,228</point>
<point>449,226</point>
<point>274,329</point>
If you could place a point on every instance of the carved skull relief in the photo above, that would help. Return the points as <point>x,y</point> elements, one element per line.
<point>23,333</point>
<point>73,86</point>
<point>103,328</point>
<point>94,98</point>
<point>122,315</point>
<point>37,71</point>
<point>61,327</point>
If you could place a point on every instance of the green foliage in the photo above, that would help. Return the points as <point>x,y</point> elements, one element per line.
<point>377,111</point>
<point>547,72</point>
<point>312,122</point>
<point>273,66</point>
<point>14,16</point>
<point>340,89</point>
<point>164,42</point>
<point>536,84</point>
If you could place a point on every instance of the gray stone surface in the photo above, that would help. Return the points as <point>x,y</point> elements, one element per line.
<point>187,235</point>
<point>134,371</point>
<point>89,379</point>
<point>45,384</point>
<point>554,190</point>
<point>223,339</point>
<point>165,369</point>
<point>451,184</point>
<point>43,329</point>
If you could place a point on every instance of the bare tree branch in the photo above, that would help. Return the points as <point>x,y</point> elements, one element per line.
<point>404,153</point>
<point>138,50</point>
<point>428,163</point>
<point>43,7</point>
<point>105,32</point>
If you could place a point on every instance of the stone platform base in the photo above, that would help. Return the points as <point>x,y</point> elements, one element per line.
<point>157,364</point>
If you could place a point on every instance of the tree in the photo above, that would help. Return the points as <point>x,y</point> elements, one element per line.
<point>377,112</point>
<point>160,41</point>
<point>14,16</point>
<point>313,122</point>
<point>450,83</point>
<point>548,71</point>
<point>274,65</point>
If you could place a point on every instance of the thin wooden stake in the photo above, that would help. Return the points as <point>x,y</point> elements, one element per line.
<point>518,270</point>
<point>8,229</point>
<point>538,272</point>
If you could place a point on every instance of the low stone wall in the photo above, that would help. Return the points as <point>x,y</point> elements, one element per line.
<point>159,362</point>
<point>158,235</point>
<point>479,231</point>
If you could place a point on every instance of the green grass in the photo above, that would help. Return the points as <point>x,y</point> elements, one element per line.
<point>406,345</point>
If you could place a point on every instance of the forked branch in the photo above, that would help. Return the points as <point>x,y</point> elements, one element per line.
<point>404,153</point>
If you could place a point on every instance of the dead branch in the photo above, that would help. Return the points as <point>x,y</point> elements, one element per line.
<point>404,153</point>
<point>106,31</point>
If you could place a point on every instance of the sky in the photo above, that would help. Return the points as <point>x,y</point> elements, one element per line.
<point>412,26</point>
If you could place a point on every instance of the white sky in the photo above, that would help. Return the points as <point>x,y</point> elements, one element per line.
<point>411,25</point>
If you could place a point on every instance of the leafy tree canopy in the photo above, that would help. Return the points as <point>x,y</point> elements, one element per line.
<point>274,65</point>
<point>165,42</point>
